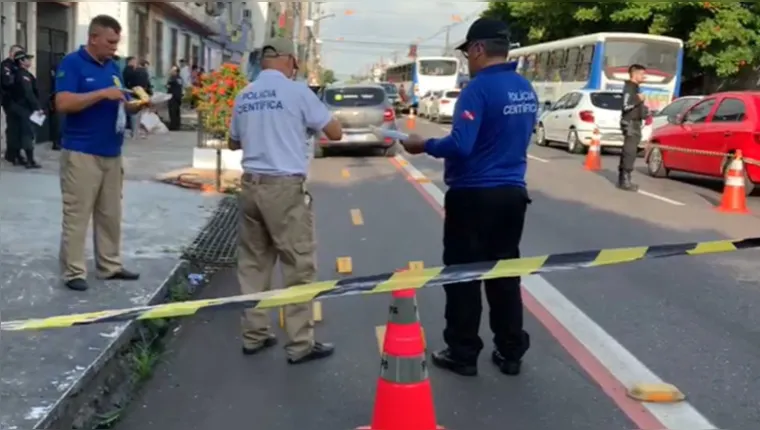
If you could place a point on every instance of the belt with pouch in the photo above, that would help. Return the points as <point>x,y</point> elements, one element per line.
<point>256,179</point>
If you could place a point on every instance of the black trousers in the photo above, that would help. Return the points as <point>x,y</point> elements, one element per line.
<point>175,114</point>
<point>631,142</point>
<point>12,135</point>
<point>484,224</point>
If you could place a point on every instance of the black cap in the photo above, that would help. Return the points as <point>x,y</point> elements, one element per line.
<point>22,55</point>
<point>486,29</point>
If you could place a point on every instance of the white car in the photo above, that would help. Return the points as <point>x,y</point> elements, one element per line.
<point>442,108</point>
<point>426,102</point>
<point>669,113</point>
<point>574,117</point>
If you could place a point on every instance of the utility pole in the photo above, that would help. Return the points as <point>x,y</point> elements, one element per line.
<point>447,49</point>
<point>303,32</point>
<point>316,51</point>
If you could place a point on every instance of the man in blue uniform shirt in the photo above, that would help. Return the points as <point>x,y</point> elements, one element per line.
<point>89,91</point>
<point>486,162</point>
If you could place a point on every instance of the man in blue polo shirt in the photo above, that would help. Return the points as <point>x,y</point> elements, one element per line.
<point>90,94</point>
<point>486,162</point>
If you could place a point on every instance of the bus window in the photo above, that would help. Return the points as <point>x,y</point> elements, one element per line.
<point>441,67</point>
<point>584,66</point>
<point>542,68</point>
<point>529,68</point>
<point>571,65</point>
<point>557,62</point>
<point>659,57</point>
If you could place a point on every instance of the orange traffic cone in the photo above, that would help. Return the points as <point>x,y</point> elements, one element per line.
<point>404,399</point>
<point>594,155</point>
<point>411,120</point>
<point>734,194</point>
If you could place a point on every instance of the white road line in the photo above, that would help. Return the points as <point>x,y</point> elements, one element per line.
<point>534,158</point>
<point>661,198</point>
<point>608,351</point>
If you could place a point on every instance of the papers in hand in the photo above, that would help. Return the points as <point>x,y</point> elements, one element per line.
<point>37,118</point>
<point>385,133</point>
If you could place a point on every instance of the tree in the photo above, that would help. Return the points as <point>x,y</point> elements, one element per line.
<point>721,37</point>
<point>328,77</point>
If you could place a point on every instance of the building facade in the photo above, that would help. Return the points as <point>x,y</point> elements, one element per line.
<point>203,33</point>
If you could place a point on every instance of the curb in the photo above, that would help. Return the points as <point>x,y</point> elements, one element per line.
<point>107,381</point>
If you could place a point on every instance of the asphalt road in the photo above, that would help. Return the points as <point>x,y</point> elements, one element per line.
<point>688,321</point>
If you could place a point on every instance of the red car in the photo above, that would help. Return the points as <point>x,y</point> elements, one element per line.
<point>721,123</point>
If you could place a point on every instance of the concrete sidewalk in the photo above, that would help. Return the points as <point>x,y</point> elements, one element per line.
<point>42,371</point>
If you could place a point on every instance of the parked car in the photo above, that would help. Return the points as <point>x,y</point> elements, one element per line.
<point>574,117</point>
<point>675,108</point>
<point>722,123</point>
<point>426,102</point>
<point>359,107</point>
<point>442,108</point>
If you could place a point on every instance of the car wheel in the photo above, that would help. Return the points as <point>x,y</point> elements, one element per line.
<point>392,150</point>
<point>574,144</point>
<point>656,165</point>
<point>749,186</point>
<point>541,136</point>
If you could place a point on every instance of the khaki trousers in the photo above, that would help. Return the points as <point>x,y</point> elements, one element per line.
<point>91,187</point>
<point>276,220</point>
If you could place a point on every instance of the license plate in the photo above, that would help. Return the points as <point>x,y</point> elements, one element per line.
<point>358,137</point>
<point>613,137</point>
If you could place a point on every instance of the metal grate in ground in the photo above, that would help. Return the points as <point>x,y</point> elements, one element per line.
<point>216,244</point>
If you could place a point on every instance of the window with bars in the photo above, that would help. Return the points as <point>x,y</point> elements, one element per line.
<point>22,12</point>
<point>143,38</point>
<point>174,46</point>
<point>159,48</point>
<point>186,55</point>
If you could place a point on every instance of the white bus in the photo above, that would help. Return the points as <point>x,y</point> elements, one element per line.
<point>600,61</point>
<point>422,75</point>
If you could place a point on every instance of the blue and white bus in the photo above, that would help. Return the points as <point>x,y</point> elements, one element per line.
<point>600,61</point>
<point>423,75</point>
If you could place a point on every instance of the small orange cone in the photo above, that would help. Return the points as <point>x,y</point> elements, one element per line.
<point>404,399</point>
<point>594,155</point>
<point>734,194</point>
<point>411,120</point>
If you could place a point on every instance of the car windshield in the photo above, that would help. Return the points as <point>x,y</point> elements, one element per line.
<point>452,94</point>
<point>611,101</point>
<point>355,96</point>
<point>390,89</point>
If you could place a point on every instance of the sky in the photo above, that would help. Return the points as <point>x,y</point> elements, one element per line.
<point>364,32</point>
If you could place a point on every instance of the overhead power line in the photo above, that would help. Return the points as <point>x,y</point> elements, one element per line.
<point>377,43</point>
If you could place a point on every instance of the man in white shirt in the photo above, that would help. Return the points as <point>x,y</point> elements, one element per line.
<point>185,73</point>
<point>271,120</point>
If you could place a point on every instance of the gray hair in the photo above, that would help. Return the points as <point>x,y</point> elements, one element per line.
<point>496,47</point>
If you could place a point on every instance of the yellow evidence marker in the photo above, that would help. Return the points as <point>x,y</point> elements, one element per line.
<point>345,266</point>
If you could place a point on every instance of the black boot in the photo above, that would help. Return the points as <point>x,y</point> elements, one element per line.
<point>19,160</point>
<point>30,163</point>
<point>624,182</point>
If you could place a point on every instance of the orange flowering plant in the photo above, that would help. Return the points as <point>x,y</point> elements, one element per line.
<point>216,98</point>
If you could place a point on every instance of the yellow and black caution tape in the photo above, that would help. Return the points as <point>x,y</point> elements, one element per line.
<point>387,282</point>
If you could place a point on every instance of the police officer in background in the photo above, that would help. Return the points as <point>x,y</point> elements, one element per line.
<point>634,113</point>
<point>24,102</point>
<point>485,164</point>
<point>271,120</point>
<point>7,79</point>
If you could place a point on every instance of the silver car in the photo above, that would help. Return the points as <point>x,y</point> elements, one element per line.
<point>359,108</point>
